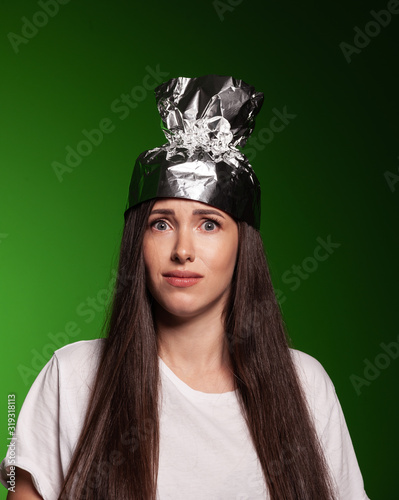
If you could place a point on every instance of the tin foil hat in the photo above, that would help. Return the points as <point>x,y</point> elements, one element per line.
<point>204,120</point>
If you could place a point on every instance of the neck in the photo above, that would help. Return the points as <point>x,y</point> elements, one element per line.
<point>194,345</point>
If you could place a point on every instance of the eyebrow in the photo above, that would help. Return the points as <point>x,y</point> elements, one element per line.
<point>201,211</point>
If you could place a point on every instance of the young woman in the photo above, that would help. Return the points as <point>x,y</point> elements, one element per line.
<point>194,393</point>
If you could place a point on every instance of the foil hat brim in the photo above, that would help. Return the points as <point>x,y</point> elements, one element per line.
<point>228,184</point>
<point>204,120</point>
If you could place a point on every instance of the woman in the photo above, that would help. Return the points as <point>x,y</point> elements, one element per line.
<point>195,393</point>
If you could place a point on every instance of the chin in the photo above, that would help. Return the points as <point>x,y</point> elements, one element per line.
<point>183,307</point>
<point>183,310</point>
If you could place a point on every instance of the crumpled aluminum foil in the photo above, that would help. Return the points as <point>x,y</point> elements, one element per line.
<point>213,135</point>
<point>204,120</point>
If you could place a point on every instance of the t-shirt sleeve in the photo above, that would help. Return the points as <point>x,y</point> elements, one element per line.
<point>35,445</point>
<point>331,428</point>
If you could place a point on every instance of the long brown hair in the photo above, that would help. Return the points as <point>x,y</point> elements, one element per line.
<point>117,454</point>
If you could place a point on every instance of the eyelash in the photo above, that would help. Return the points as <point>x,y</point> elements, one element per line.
<point>208,219</point>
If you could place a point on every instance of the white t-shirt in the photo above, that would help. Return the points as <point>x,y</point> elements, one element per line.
<point>205,449</point>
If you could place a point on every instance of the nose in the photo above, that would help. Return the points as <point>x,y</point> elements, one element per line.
<point>183,249</point>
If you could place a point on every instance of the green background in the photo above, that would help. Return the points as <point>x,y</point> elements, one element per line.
<point>322,176</point>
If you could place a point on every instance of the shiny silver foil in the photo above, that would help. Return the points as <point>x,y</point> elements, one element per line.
<point>205,120</point>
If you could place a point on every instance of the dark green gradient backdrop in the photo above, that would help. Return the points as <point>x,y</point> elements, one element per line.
<point>323,175</point>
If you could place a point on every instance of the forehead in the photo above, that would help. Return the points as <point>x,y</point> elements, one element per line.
<point>183,205</point>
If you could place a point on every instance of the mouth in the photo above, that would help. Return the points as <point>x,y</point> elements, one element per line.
<point>182,279</point>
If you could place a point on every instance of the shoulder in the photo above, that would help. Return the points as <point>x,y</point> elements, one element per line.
<point>82,350</point>
<point>330,426</point>
<point>309,369</point>
<point>78,360</point>
<point>316,384</point>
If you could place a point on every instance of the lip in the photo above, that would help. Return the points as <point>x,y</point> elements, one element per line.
<point>182,279</point>
<point>182,274</point>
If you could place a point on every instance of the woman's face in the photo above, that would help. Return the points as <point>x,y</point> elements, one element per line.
<point>190,251</point>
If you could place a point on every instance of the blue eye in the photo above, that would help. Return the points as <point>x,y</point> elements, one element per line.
<point>210,225</point>
<point>160,225</point>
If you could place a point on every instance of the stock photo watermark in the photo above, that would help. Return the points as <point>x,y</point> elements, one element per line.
<point>373,369</point>
<point>296,274</point>
<point>255,484</point>
<point>88,309</point>
<point>293,276</point>
<point>130,440</point>
<point>11,457</point>
<point>30,27</point>
<point>392,179</point>
<point>94,137</point>
<point>278,123</point>
<point>222,7</point>
<point>3,236</point>
<point>371,29</point>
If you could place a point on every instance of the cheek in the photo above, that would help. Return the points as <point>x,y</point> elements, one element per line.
<point>231,252</point>
<point>221,260</point>
<point>151,257</point>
